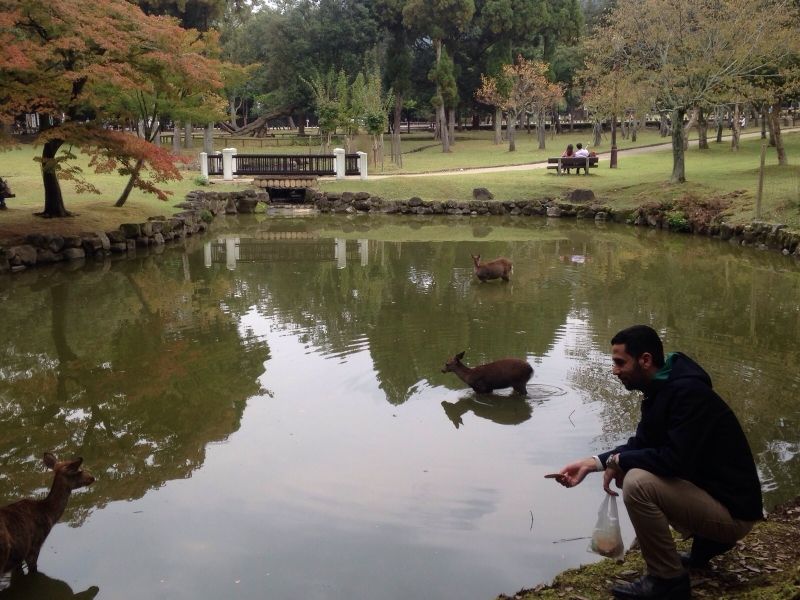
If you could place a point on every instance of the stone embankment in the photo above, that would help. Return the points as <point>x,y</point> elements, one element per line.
<point>197,211</point>
<point>201,207</point>
<point>580,204</point>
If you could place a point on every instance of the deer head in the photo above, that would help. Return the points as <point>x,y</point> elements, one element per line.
<point>452,363</point>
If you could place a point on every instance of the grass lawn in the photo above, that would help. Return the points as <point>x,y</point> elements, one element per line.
<point>640,178</point>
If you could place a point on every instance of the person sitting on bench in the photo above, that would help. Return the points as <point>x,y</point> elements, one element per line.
<point>5,192</point>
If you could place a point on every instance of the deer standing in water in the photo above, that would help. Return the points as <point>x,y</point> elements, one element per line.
<point>503,373</point>
<point>499,268</point>
<point>24,525</point>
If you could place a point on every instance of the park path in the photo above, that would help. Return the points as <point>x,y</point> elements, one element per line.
<point>543,164</point>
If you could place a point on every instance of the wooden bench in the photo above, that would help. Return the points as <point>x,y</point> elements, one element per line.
<point>561,163</point>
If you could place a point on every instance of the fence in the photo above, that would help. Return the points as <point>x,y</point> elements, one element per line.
<point>229,163</point>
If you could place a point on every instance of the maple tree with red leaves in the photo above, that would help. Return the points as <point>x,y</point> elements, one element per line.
<point>83,67</point>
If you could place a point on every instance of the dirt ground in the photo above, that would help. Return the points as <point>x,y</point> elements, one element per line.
<point>765,565</point>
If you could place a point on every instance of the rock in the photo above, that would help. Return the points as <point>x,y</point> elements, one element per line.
<point>130,230</point>
<point>22,255</point>
<point>581,195</point>
<point>482,193</point>
<point>74,253</point>
<point>553,211</point>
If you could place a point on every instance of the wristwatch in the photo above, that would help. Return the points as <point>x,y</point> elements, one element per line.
<point>612,462</point>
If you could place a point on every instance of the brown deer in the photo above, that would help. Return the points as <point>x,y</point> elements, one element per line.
<point>498,268</point>
<point>503,373</point>
<point>24,525</point>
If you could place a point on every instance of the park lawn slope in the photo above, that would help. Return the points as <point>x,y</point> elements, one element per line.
<point>641,179</point>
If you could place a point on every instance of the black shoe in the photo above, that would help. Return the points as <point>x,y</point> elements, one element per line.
<point>703,550</point>
<point>655,588</point>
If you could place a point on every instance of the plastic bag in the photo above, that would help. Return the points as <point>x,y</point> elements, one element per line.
<point>607,536</point>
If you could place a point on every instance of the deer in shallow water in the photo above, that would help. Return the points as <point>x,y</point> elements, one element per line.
<point>503,373</point>
<point>499,268</point>
<point>24,525</point>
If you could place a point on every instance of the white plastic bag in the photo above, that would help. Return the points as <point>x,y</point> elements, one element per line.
<point>607,536</point>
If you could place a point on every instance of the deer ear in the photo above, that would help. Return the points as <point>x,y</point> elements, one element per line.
<point>74,465</point>
<point>460,355</point>
<point>50,460</point>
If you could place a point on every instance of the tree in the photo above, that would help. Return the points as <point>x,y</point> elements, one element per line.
<point>439,20</point>
<point>520,88</point>
<point>691,51</point>
<point>67,62</point>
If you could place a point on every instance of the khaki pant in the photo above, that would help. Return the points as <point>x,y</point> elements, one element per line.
<point>654,503</point>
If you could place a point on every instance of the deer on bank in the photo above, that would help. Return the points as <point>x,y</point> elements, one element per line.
<point>24,525</point>
<point>500,268</point>
<point>503,373</point>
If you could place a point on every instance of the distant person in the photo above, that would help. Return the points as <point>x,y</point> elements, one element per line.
<point>5,192</point>
<point>581,152</point>
<point>569,152</point>
<point>688,465</point>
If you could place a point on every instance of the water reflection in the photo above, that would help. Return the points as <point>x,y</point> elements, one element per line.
<point>511,410</point>
<point>41,587</point>
<point>268,400</point>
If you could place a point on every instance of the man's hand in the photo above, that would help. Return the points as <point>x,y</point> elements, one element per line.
<point>573,473</point>
<point>613,473</point>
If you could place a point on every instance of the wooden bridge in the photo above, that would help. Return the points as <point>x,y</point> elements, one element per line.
<point>283,164</point>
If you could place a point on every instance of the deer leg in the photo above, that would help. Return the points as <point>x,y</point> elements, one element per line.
<point>31,560</point>
<point>521,388</point>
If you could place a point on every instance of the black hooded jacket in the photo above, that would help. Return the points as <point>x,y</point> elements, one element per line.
<point>688,431</point>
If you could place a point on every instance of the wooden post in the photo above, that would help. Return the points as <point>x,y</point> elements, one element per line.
<point>760,181</point>
<point>559,166</point>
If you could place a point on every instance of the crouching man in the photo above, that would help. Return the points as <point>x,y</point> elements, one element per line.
<point>689,465</point>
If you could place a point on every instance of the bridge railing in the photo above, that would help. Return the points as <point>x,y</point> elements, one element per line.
<point>280,164</point>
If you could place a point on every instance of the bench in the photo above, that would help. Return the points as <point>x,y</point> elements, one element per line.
<point>572,162</point>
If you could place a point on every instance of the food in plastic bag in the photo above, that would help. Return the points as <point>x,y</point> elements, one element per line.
<point>607,536</point>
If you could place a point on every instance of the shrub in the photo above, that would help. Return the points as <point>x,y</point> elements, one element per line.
<point>206,216</point>
<point>677,221</point>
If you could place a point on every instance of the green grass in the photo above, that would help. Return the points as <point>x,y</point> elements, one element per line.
<point>638,179</point>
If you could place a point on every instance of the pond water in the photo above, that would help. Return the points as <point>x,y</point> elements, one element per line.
<point>266,416</point>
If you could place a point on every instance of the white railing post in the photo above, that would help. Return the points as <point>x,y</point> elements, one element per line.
<point>204,164</point>
<point>227,163</point>
<point>338,162</point>
<point>362,164</point>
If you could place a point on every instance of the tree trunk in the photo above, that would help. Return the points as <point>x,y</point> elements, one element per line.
<point>208,139</point>
<point>441,118</point>
<point>634,127</point>
<point>188,141</point>
<point>597,134</point>
<point>692,122</point>
<point>301,128</point>
<point>451,125</point>
<point>718,117</point>
<point>53,200</point>
<point>702,129</point>
<point>770,125</point>
<point>735,129</point>
<point>764,119</point>
<point>498,126</point>
<point>541,131</point>
<point>176,137</point>
<point>397,152</point>
<point>664,126</point>
<point>775,121</point>
<point>232,109</point>
<point>129,186</point>
<point>678,164</point>
<point>511,126</point>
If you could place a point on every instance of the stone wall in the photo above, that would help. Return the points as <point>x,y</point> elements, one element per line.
<point>579,204</point>
<point>197,211</point>
<point>200,208</point>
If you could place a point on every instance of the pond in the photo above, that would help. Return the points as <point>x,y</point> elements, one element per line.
<point>265,413</point>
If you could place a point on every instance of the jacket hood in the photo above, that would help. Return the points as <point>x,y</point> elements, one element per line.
<point>679,366</point>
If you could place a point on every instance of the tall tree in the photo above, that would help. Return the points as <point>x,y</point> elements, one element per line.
<point>439,20</point>
<point>689,51</point>
<point>64,61</point>
<point>520,88</point>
